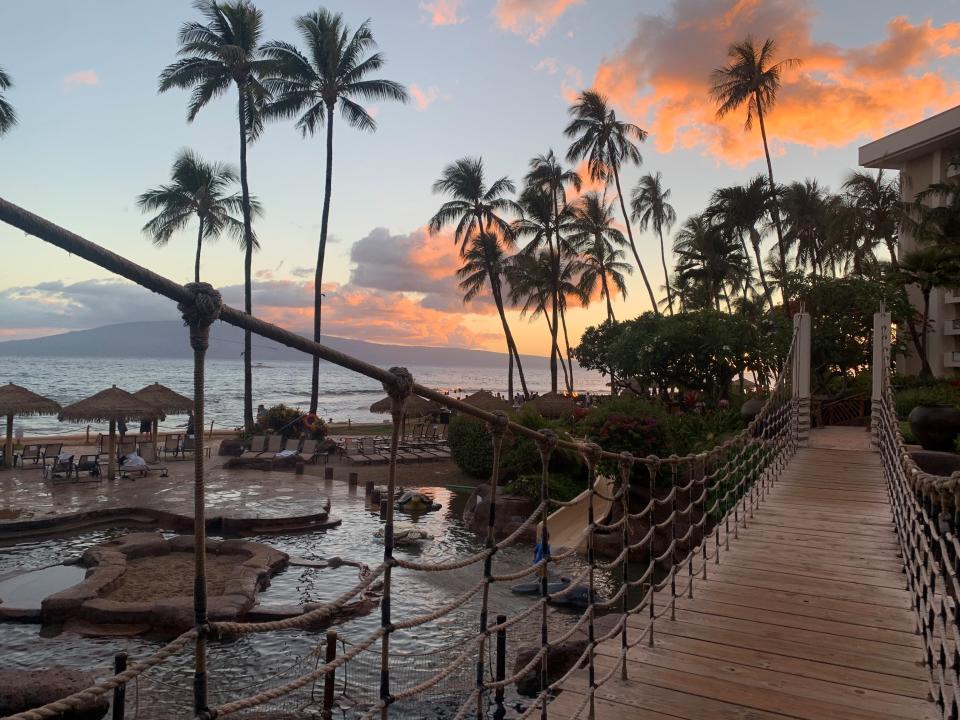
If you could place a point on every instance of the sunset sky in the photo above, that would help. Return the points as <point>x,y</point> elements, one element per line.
<point>487,77</point>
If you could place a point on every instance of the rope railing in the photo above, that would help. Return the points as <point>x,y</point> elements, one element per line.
<point>706,493</point>
<point>925,516</point>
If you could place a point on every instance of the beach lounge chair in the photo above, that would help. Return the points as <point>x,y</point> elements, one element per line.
<point>258,444</point>
<point>126,448</point>
<point>189,445</point>
<point>57,466</point>
<point>309,451</point>
<point>101,443</point>
<point>148,451</point>
<point>171,446</point>
<point>89,464</point>
<point>275,445</point>
<point>52,450</point>
<point>32,453</point>
<point>353,452</point>
<point>369,447</point>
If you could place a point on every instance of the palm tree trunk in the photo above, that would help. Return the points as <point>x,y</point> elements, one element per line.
<point>606,293</point>
<point>247,268</point>
<point>321,252</point>
<point>925,371</point>
<point>511,345</point>
<point>636,256</point>
<point>196,265</point>
<point>556,348</point>
<point>774,205</point>
<point>755,241</point>
<point>892,249</point>
<point>666,274</point>
<point>510,375</point>
<point>566,342</point>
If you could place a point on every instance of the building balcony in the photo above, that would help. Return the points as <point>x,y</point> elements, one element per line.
<point>951,359</point>
<point>951,327</point>
<point>951,296</point>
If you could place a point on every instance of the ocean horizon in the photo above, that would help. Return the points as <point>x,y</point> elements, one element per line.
<point>344,395</point>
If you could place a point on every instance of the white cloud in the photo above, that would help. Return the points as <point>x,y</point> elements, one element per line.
<point>81,77</point>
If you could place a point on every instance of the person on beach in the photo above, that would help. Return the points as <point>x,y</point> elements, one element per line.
<point>190,425</point>
<point>146,426</point>
<point>121,429</point>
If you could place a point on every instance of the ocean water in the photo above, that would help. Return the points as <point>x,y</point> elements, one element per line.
<point>344,395</point>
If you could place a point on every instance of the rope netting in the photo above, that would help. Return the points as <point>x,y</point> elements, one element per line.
<point>925,511</point>
<point>657,536</point>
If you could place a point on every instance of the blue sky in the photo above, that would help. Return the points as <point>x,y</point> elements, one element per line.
<point>94,133</point>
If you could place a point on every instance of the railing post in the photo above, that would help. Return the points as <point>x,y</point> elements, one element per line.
<point>330,679</point>
<point>119,692</point>
<point>801,377</point>
<point>501,668</point>
<point>881,343</point>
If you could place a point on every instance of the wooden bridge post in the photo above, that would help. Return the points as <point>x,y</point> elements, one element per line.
<point>881,346</point>
<point>801,377</point>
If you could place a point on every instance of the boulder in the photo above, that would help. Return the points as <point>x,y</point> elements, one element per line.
<point>232,447</point>
<point>27,689</point>
<point>512,512</point>
<point>560,658</point>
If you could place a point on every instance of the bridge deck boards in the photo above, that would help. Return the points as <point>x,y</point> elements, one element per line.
<point>805,617</point>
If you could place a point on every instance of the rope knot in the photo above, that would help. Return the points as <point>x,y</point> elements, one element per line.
<point>547,442</point>
<point>399,390</point>
<point>499,424</point>
<point>592,452</point>
<point>626,466</point>
<point>200,312</point>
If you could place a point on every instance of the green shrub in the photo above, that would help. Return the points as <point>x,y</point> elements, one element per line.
<point>283,420</point>
<point>562,487</point>
<point>938,393</point>
<point>907,433</point>
<point>696,432</point>
<point>470,446</point>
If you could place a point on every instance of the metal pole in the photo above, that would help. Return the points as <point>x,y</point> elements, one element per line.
<point>330,679</point>
<point>119,692</point>
<point>501,668</point>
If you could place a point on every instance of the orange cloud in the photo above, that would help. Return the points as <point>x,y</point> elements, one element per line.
<point>532,18</point>
<point>838,95</point>
<point>442,12</point>
<point>81,77</point>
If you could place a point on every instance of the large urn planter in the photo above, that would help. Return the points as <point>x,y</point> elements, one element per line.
<point>935,426</point>
<point>750,408</point>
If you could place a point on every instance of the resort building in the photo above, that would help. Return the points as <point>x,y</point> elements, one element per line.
<point>922,154</point>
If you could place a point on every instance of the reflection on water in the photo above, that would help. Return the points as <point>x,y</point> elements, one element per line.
<point>243,666</point>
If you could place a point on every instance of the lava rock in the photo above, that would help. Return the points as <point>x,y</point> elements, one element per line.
<point>560,658</point>
<point>22,690</point>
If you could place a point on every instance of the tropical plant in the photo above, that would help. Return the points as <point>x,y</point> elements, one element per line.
<point>806,220</point>
<point>927,268</point>
<point>651,208</point>
<point>334,69</point>
<point>223,52</point>
<point>753,79</point>
<point>197,188</point>
<point>606,143</point>
<point>708,256</point>
<point>476,211</point>
<point>8,116</point>
<point>599,242</point>
<point>741,210</point>
<point>876,200</point>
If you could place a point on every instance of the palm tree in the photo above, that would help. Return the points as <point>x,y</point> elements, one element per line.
<point>309,86</point>
<point>927,268</point>
<point>753,79</point>
<point>708,256</point>
<point>8,116</point>
<point>535,281</point>
<point>651,206</point>
<point>599,243</point>
<point>197,188</point>
<point>806,215</point>
<point>223,52</point>
<point>606,143</point>
<point>476,211</point>
<point>741,209</point>
<point>876,200</point>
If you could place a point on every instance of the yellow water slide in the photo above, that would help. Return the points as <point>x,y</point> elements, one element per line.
<point>567,524</point>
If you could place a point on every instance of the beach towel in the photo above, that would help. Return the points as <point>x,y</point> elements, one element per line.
<point>286,453</point>
<point>133,460</point>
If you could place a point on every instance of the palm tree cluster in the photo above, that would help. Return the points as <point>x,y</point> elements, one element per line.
<point>273,80</point>
<point>719,251</point>
<point>548,248</point>
<point>8,116</point>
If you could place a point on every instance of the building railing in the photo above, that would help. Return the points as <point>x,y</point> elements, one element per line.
<point>695,503</point>
<point>925,510</point>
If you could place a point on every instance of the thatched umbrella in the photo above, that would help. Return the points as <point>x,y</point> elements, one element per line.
<point>414,407</point>
<point>15,400</point>
<point>110,405</point>
<point>486,400</point>
<point>167,401</point>
<point>552,405</point>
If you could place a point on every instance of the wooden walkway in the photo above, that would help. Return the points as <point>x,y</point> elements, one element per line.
<point>805,617</point>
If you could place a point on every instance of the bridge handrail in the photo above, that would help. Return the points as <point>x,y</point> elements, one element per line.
<point>724,484</point>
<point>925,517</point>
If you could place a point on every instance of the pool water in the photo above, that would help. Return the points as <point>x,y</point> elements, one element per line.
<point>244,666</point>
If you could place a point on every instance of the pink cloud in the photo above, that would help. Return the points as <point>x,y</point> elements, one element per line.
<point>424,98</point>
<point>548,65</point>
<point>442,12</point>
<point>81,77</point>
<point>532,18</point>
<point>838,96</point>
